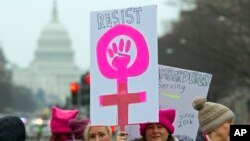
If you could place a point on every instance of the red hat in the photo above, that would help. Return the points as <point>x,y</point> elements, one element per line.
<point>78,127</point>
<point>60,119</point>
<point>166,118</point>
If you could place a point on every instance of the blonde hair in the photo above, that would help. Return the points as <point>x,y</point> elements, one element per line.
<point>86,131</point>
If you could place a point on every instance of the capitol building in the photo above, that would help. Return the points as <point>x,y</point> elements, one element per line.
<point>53,68</point>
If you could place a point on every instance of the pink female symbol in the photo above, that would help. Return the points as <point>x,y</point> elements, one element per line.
<point>120,70</point>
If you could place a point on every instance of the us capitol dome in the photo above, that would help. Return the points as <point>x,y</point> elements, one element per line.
<point>53,67</point>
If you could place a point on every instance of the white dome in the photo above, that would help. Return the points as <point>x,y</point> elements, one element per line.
<point>54,27</point>
<point>54,30</point>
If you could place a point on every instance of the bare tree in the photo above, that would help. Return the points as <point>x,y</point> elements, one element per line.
<point>213,38</point>
<point>17,98</point>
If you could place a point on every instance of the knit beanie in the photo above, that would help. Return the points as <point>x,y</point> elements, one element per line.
<point>60,119</point>
<point>78,127</point>
<point>166,118</point>
<point>12,129</point>
<point>211,115</point>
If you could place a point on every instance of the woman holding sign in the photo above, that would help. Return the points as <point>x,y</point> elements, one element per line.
<point>161,131</point>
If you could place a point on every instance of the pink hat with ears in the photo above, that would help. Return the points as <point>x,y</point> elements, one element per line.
<point>78,127</point>
<point>166,118</point>
<point>60,119</point>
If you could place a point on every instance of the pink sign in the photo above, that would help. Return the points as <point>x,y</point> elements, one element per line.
<point>119,68</point>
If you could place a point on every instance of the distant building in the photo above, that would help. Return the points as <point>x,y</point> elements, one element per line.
<point>53,68</point>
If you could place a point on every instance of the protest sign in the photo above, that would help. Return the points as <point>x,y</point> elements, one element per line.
<point>177,89</point>
<point>123,67</point>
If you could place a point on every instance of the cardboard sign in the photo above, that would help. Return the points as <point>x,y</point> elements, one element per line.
<point>123,66</point>
<point>177,89</point>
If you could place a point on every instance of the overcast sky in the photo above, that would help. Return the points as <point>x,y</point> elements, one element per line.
<point>22,21</point>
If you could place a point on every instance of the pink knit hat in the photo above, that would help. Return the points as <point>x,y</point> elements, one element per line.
<point>60,119</point>
<point>78,127</point>
<point>166,118</point>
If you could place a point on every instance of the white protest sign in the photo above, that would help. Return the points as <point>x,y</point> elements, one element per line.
<point>123,67</point>
<point>177,89</point>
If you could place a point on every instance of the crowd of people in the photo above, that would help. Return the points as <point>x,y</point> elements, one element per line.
<point>214,125</point>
